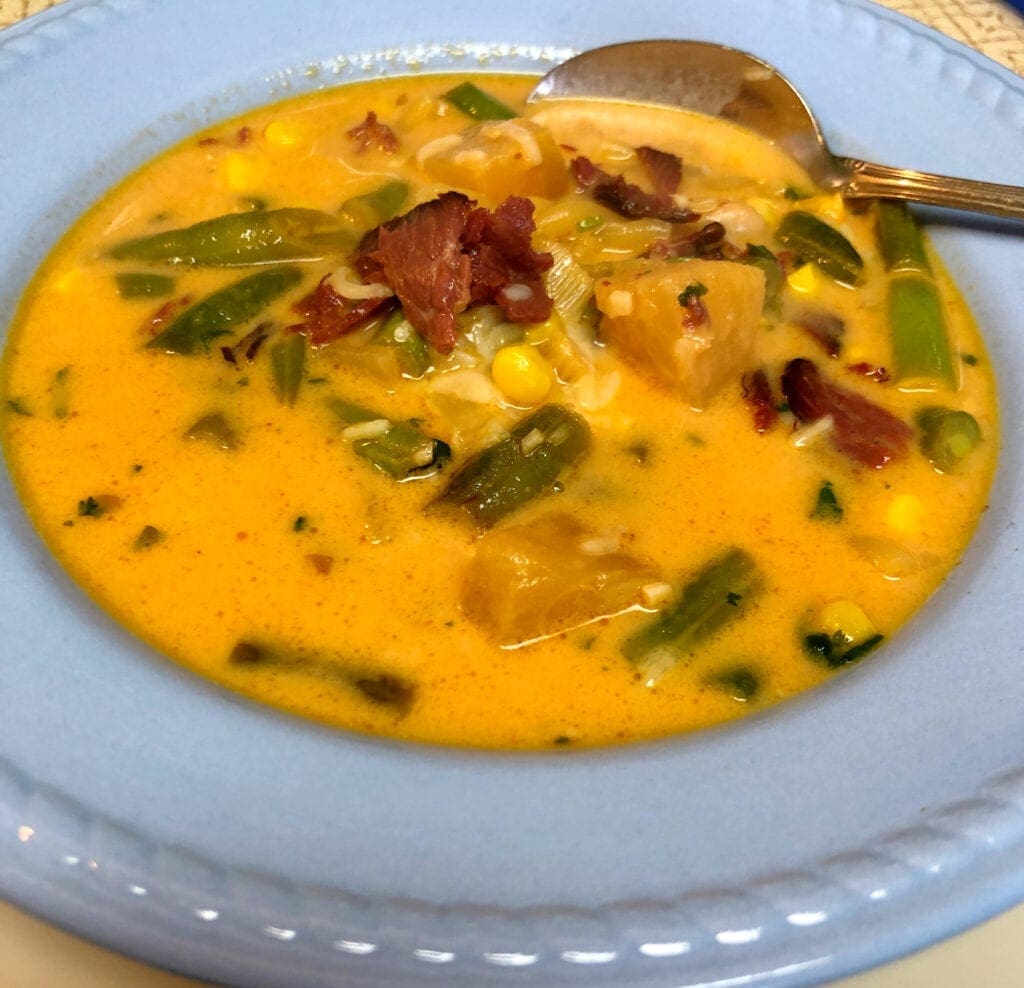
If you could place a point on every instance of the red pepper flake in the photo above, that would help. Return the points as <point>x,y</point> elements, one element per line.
<point>208,142</point>
<point>244,135</point>
<point>371,134</point>
<point>168,311</point>
<point>757,393</point>
<point>664,169</point>
<point>879,374</point>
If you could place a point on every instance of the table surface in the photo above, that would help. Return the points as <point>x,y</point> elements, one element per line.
<point>36,955</point>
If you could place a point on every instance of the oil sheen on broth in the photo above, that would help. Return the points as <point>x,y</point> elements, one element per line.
<point>465,422</point>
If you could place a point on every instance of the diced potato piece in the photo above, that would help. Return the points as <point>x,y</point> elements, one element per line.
<point>644,319</point>
<point>537,579</point>
<point>499,158</point>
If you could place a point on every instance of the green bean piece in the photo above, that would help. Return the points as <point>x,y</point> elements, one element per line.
<point>220,313</point>
<point>920,343</point>
<point>475,103</point>
<point>288,361</point>
<point>373,208</point>
<point>252,237</point>
<point>900,239</point>
<point>740,682</point>
<point>719,594</point>
<point>401,449</point>
<point>379,687</point>
<point>410,348</point>
<point>141,284</point>
<point>821,244</point>
<point>512,472</point>
<point>948,436</point>
<point>147,538</point>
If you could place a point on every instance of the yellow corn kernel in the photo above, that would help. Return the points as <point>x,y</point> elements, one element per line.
<point>522,375</point>
<point>284,133</point>
<point>241,173</point>
<point>555,346</point>
<point>767,210</point>
<point>905,514</point>
<point>845,620</point>
<point>806,280</point>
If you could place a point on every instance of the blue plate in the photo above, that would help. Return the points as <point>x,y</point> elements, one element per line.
<point>150,811</point>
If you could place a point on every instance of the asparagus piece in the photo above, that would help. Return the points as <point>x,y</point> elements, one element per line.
<point>816,241</point>
<point>400,449</point>
<point>920,342</point>
<point>378,206</point>
<point>259,237</point>
<point>219,313</point>
<point>410,348</point>
<point>948,436</point>
<point>505,476</point>
<point>717,595</point>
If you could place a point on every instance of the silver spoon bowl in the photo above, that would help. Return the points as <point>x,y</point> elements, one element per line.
<point>724,82</point>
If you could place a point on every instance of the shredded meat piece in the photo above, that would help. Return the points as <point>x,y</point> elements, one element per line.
<point>757,393</point>
<point>862,430</point>
<point>505,268</point>
<point>665,170</point>
<point>372,134</point>
<point>420,256</point>
<point>708,243</point>
<point>328,315</point>
<point>625,198</point>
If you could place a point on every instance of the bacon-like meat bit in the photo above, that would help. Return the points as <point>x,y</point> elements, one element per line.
<point>861,429</point>
<point>625,198</point>
<point>328,315</point>
<point>757,393</point>
<point>420,256</point>
<point>708,242</point>
<point>879,374</point>
<point>505,268</point>
<point>371,134</point>
<point>166,313</point>
<point>823,327</point>
<point>665,170</point>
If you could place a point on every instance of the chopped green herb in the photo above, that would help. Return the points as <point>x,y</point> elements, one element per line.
<point>288,361</point>
<point>827,506</point>
<point>136,468</point>
<point>16,406</point>
<point>149,536</point>
<point>691,292</point>
<point>640,453</point>
<point>90,508</point>
<point>969,359</point>
<point>793,194</point>
<point>590,223</point>
<point>733,599</point>
<point>761,257</point>
<point>299,524</point>
<point>834,650</point>
<point>562,739</point>
<point>213,429</point>
<point>60,393</point>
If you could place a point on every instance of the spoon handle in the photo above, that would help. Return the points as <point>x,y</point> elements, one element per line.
<point>864,180</point>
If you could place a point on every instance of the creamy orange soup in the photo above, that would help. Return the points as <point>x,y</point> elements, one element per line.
<point>659,435</point>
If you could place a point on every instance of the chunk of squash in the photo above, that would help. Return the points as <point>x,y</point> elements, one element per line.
<point>497,159</point>
<point>645,319</point>
<point>546,576</point>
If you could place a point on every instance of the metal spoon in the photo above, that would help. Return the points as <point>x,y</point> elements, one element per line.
<point>724,82</point>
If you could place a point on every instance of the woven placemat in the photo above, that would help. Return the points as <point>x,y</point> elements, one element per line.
<point>990,26</point>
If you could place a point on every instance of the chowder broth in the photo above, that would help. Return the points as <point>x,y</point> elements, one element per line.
<point>288,507</point>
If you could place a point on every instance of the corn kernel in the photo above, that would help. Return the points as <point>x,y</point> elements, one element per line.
<point>522,375</point>
<point>767,210</point>
<point>806,280</point>
<point>241,173</point>
<point>845,619</point>
<point>905,514</point>
<point>284,133</point>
